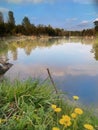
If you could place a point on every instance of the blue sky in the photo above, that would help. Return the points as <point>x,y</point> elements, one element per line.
<point>67,14</point>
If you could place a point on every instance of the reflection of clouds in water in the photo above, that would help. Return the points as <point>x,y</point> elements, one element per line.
<point>91,70</point>
<point>77,70</point>
<point>38,70</point>
<point>22,71</point>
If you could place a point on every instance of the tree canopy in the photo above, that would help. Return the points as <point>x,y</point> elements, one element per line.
<point>28,28</point>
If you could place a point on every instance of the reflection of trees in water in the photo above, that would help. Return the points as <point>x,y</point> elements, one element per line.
<point>14,54</point>
<point>3,51</point>
<point>13,49</point>
<point>95,49</point>
<point>29,45</point>
<point>3,47</point>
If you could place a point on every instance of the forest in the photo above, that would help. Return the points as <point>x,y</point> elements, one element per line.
<point>27,28</point>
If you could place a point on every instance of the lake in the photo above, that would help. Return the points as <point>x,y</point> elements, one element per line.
<point>73,64</point>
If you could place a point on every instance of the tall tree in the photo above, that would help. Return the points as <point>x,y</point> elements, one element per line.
<point>2,28</point>
<point>26,22</point>
<point>27,25</point>
<point>1,18</point>
<point>11,23</point>
<point>96,27</point>
<point>11,19</point>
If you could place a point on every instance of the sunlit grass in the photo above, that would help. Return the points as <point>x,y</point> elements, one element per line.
<point>30,105</point>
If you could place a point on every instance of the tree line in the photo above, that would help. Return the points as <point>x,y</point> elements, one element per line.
<point>27,28</point>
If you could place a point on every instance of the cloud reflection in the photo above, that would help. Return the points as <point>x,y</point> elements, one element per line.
<point>38,70</point>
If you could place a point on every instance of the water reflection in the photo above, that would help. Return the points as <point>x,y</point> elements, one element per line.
<point>72,62</point>
<point>95,49</point>
<point>30,45</point>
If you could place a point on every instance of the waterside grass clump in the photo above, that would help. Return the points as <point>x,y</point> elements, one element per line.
<point>30,105</point>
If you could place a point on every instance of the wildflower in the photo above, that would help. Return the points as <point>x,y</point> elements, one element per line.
<point>78,111</point>
<point>75,97</point>
<point>57,109</point>
<point>73,115</point>
<point>65,120</point>
<point>62,121</point>
<point>65,117</point>
<point>88,127</point>
<point>55,128</point>
<point>53,106</point>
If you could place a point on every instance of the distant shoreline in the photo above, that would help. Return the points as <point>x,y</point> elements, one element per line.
<point>24,37</point>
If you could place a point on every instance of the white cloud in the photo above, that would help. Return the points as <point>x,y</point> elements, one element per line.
<point>4,10</point>
<point>84,1</point>
<point>49,1</point>
<point>96,19</point>
<point>84,23</point>
<point>30,1</point>
<point>71,20</point>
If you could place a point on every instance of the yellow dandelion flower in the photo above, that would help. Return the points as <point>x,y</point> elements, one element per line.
<point>65,120</point>
<point>55,128</point>
<point>68,123</point>
<point>73,115</point>
<point>75,97</point>
<point>88,127</point>
<point>66,117</point>
<point>53,106</point>
<point>57,109</point>
<point>62,121</point>
<point>78,111</point>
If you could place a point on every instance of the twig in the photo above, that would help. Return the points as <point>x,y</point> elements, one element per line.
<point>51,79</point>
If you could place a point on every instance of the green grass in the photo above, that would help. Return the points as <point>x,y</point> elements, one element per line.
<point>27,106</point>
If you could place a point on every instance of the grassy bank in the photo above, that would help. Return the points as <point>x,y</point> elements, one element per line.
<point>31,105</point>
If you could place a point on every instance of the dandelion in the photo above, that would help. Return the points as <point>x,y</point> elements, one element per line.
<point>78,111</point>
<point>62,121</point>
<point>88,127</point>
<point>65,120</point>
<point>73,115</point>
<point>75,97</point>
<point>66,117</point>
<point>53,106</point>
<point>57,109</point>
<point>55,128</point>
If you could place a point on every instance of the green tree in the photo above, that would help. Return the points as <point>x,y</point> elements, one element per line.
<point>27,25</point>
<point>11,23</point>
<point>26,22</point>
<point>2,28</point>
<point>11,19</point>
<point>96,27</point>
<point>1,18</point>
<point>19,29</point>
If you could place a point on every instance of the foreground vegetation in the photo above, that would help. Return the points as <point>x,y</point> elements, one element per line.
<point>32,105</point>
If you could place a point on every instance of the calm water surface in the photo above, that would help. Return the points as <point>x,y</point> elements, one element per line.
<point>73,64</point>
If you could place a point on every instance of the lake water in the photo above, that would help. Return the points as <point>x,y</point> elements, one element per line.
<point>73,64</point>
